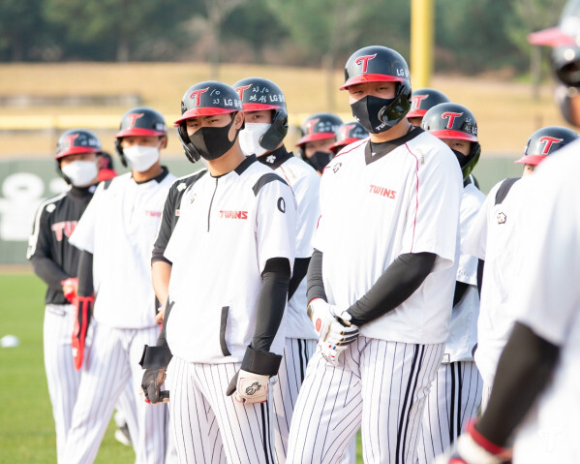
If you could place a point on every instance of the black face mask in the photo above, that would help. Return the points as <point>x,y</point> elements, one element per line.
<point>463,160</point>
<point>376,114</point>
<point>213,142</point>
<point>320,159</point>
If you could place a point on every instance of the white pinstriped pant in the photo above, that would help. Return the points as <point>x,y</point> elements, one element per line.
<point>454,398</point>
<point>111,364</point>
<point>378,385</point>
<point>202,417</point>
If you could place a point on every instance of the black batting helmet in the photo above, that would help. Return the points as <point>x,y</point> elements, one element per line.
<point>319,126</point>
<point>381,64</point>
<point>545,142</point>
<point>454,121</point>
<point>423,100</point>
<point>348,133</point>
<point>258,94</point>
<point>205,99</point>
<point>73,142</point>
<point>140,121</point>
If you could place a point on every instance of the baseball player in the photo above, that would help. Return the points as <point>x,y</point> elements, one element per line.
<point>381,278</point>
<point>456,392</point>
<point>318,134</point>
<point>106,167</point>
<point>231,255</point>
<point>116,234</point>
<point>56,261</point>
<point>348,133</point>
<point>422,100</point>
<point>535,396</point>
<point>494,238</point>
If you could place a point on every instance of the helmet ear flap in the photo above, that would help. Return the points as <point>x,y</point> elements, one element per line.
<point>190,151</point>
<point>473,157</point>
<point>277,130</point>
<point>119,149</point>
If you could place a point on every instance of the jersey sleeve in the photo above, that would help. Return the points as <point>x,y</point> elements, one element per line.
<point>306,194</point>
<point>319,238</point>
<point>275,222</point>
<point>83,236</point>
<point>432,212</point>
<point>475,242</point>
<point>546,295</point>
<point>167,218</point>
<point>470,207</point>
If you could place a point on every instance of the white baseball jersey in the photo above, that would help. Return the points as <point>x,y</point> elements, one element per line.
<point>547,300</point>
<point>119,226</point>
<point>495,238</point>
<point>305,184</point>
<point>463,327</point>
<point>229,227</point>
<point>377,207</point>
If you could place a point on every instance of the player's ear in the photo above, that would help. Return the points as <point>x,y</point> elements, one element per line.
<point>163,142</point>
<point>239,120</point>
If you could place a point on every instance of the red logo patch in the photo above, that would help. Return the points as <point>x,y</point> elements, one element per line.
<point>549,141</point>
<point>344,130</point>
<point>70,139</point>
<point>66,228</point>
<point>234,214</point>
<point>310,125</point>
<point>197,94</point>
<point>382,191</point>
<point>364,61</point>
<point>451,117</point>
<point>133,117</point>
<point>242,89</point>
<point>416,101</point>
<point>153,213</point>
<point>318,325</point>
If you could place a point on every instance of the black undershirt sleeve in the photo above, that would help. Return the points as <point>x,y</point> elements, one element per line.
<point>315,284</point>
<point>49,271</point>
<point>157,255</point>
<point>300,269</point>
<point>399,281</point>
<point>271,302</point>
<point>85,274</point>
<point>480,266</point>
<point>460,288</point>
<point>523,371</point>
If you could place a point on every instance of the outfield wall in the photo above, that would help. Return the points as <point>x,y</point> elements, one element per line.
<point>25,183</point>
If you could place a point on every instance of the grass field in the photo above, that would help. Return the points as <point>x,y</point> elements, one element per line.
<point>505,110</point>
<point>26,425</point>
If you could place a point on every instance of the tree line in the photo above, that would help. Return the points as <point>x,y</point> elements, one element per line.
<point>471,36</point>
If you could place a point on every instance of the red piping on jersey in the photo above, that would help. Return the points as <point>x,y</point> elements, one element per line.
<point>286,177</point>
<point>417,197</point>
<point>340,153</point>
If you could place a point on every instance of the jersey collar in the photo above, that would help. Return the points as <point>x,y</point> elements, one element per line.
<point>275,158</point>
<point>383,149</point>
<point>158,179</point>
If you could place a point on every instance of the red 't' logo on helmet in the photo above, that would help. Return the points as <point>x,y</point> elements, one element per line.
<point>133,117</point>
<point>310,125</point>
<point>242,89</point>
<point>549,141</point>
<point>364,60</point>
<point>69,139</point>
<point>344,130</point>
<point>451,117</point>
<point>416,101</point>
<point>197,94</point>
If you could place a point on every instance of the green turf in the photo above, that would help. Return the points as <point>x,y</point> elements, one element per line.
<point>26,426</point>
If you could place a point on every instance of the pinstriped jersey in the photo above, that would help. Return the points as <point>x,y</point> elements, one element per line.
<point>229,227</point>
<point>119,228</point>
<point>53,257</point>
<point>377,206</point>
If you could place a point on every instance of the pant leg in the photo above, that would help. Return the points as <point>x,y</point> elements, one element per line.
<point>395,378</point>
<point>151,441</point>
<point>62,378</point>
<point>104,375</point>
<point>328,411</point>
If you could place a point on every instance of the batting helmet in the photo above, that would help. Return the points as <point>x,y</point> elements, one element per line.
<point>545,142</point>
<point>258,94</point>
<point>423,100</point>
<point>319,126</point>
<point>140,121</point>
<point>454,121</point>
<point>348,133</point>
<point>205,99</point>
<point>379,64</point>
<point>73,142</point>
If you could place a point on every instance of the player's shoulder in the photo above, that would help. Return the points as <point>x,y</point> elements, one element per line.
<point>182,183</point>
<point>297,171</point>
<point>257,176</point>
<point>114,183</point>
<point>431,149</point>
<point>348,153</point>
<point>472,198</point>
<point>50,205</point>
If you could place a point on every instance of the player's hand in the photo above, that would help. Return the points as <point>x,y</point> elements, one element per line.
<point>155,360</point>
<point>69,288</point>
<point>473,448</point>
<point>160,315</point>
<point>84,310</point>
<point>249,387</point>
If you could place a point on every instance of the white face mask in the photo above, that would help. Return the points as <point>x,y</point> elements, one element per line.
<point>81,173</point>
<point>250,138</point>
<point>141,158</point>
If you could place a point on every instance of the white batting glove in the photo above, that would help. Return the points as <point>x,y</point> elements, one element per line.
<point>334,329</point>
<point>251,388</point>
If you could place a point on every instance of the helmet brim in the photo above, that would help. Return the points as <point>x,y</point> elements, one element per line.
<point>336,147</point>
<point>258,107</point>
<point>453,134</point>
<point>551,37</point>
<point>139,131</point>
<point>314,137</point>
<point>361,79</point>
<point>534,160</point>
<point>206,111</point>
<point>76,151</point>
<point>416,114</point>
